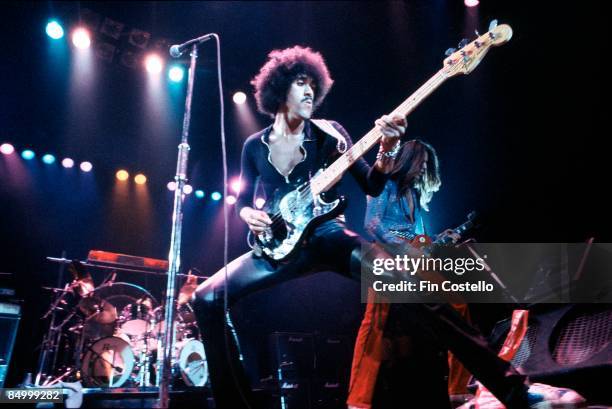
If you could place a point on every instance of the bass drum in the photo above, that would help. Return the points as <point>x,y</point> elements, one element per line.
<point>192,363</point>
<point>108,362</point>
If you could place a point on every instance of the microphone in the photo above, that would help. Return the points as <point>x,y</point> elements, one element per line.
<point>178,49</point>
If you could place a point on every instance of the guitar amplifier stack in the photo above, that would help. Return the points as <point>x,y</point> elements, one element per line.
<point>312,372</point>
<point>10,314</point>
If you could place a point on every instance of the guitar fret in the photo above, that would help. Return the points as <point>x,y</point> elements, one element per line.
<point>323,180</point>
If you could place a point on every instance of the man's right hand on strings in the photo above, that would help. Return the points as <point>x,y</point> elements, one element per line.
<point>257,220</point>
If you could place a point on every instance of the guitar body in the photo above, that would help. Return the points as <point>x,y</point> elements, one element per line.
<point>421,240</point>
<point>295,213</point>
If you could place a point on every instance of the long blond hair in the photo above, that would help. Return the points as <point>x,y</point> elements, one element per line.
<point>407,168</point>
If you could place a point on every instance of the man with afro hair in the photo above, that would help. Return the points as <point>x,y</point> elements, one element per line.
<point>288,88</point>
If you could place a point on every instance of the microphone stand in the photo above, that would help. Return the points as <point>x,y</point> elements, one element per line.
<point>174,257</point>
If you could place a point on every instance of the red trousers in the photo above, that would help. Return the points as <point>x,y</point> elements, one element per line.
<point>368,355</point>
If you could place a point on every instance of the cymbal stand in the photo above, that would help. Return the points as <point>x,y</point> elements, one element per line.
<point>51,339</point>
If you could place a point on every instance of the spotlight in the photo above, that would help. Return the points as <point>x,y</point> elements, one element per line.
<point>216,196</point>
<point>54,30</point>
<point>230,200</point>
<point>153,64</point>
<point>7,148</point>
<point>260,202</point>
<point>236,185</point>
<point>86,166</point>
<point>239,98</point>
<point>176,74</point>
<point>48,159</point>
<point>122,175</point>
<point>28,154</point>
<point>139,38</point>
<point>81,39</point>
<point>67,163</point>
<point>471,3</point>
<point>199,194</point>
<point>140,179</point>
<point>171,186</point>
<point>187,189</point>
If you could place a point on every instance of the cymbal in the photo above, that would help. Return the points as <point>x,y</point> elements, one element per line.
<point>83,287</point>
<point>187,289</point>
<point>82,282</point>
<point>98,310</point>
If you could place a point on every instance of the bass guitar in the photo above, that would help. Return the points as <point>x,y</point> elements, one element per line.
<point>295,213</point>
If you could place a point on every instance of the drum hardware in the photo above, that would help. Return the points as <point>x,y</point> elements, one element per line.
<point>111,335</point>
<point>98,310</point>
<point>51,340</point>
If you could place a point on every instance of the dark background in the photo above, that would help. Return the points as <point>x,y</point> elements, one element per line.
<point>518,139</point>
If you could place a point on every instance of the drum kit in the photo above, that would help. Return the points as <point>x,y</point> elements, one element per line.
<point>111,336</point>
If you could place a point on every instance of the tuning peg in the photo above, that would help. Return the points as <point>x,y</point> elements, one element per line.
<point>449,51</point>
<point>492,25</point>
<point>477,33</point>
<point>463,43</point>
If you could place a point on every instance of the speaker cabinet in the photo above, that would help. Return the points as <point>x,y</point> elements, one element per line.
<point>566,345</point>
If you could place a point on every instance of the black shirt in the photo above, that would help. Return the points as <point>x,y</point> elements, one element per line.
<point>319,149</point>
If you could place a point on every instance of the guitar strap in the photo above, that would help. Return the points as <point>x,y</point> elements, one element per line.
<point>328,128</point>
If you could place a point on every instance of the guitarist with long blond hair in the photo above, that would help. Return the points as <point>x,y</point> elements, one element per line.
<point>396,217</point>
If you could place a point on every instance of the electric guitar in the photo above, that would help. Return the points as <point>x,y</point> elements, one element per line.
<point>296,212</point>
<point>423,240</point>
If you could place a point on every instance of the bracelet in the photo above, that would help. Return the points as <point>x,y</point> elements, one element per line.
<point>392,154</point>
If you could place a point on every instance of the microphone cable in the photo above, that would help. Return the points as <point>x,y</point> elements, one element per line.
<point>226,332</point>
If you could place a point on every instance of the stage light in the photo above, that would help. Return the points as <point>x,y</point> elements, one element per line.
<point>199,194</point>
<point>86,166</point>
<point>216,196</point>
<point>239,98</point>
<point>260,202</point>
<point>54,30</point>
<point>81,39</point>
<point>230,200</point>
<point>471,3</point>
<point>122,175</point>
<point>236,185</point>
<point>28,154</point>
<point>171,186</point>
<point>67,163</point>
<point>176,74</point>
<point>153,64</point>
<point>187,189</point>
<point>48,159</point>
<point>7,148</point>
<point>140,179</point>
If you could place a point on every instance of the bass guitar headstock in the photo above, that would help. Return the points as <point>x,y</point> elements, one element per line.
<point>465,59</point>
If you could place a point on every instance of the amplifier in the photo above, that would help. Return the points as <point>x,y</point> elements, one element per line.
<point>10,314</point>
